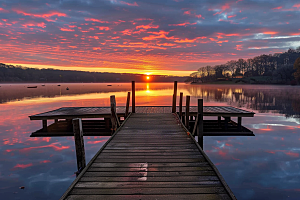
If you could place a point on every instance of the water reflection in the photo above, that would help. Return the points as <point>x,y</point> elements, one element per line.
<point>261,167</point>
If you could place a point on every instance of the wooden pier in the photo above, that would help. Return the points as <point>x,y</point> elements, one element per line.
<point>152,152</point>
<point>151,156</point>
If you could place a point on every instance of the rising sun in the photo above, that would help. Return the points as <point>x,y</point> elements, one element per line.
<point>147,77</point>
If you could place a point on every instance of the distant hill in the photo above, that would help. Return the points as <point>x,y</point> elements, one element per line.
<point>10,73</point>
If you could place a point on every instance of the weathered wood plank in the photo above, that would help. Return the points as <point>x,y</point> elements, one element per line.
<point>152,191</point>
<point>151,197</point>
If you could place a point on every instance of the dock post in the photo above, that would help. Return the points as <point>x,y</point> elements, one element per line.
<point>239,123</point>
<point>45,125</point>
<point>133,96</point>
<point>79,145</point>
<point>180,105</point>
<point>187,111</point>
<point>114,118</point>
<point>127,105</point>
<point>200,123</point>
<point>174,97</point>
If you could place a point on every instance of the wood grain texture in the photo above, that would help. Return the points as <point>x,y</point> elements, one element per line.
<point>151,157</point>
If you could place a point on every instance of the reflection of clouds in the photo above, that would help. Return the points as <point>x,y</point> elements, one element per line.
<point>267,164</point>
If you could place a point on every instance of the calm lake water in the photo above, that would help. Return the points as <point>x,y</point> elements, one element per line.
<point>266,166</point>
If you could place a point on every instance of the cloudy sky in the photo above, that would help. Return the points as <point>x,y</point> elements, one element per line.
<point>147,36</point>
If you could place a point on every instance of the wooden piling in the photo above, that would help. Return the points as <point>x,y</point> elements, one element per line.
<point>45,125</point>
<point>114,118</point>
<point>180,105</point>
<point>133,96</point>
<point>174,97</point>
<point>79,144</point>
<point>187,111</point>
<point>127,104</point>
<point>239,123</point>
<point>200,123</point>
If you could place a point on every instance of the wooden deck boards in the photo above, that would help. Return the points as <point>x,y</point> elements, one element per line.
<point>150,157</point>
<point>98,112</point>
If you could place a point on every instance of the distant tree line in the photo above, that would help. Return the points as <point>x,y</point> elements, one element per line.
<point>10,73</point>
<point>277,68</point>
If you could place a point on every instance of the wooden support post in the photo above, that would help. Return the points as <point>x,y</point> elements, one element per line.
<point>79,144</point>
<point>114,118</point>
<point>127,105</point>
<point>55,120</point>
<point>180,105</point>
<point>227,120</point>
<point>239,123</point>
<point>45,125</point>
<point>107,124</point>
<point>174,97</point>
<point>187,111</point>
<point>219,121</point>
<point>133,96</point>
<point>200,123</point>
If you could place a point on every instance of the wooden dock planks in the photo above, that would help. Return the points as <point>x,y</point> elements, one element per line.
<point>150,157</point>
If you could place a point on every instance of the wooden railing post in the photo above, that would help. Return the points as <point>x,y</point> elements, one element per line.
<point>114,118</point>
<point>133,96</point>
<point>187,112</point>
<point>79,144</point>
<point>127,104</point>
<point>200,122</point>
<point>180,105</point>
<point>174,97</point>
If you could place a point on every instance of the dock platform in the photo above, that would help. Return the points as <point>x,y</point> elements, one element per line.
<point>63,116</point>
<point>151,156</point>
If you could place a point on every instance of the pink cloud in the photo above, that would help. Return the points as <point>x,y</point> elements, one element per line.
<point>183,24</point>
<point>66,29</point>
<point>230,16</point>
<point>297,5</point>
<point>277,8</point>
<point>21,166</point>
<point>129,4</point>
<point>95,20</point>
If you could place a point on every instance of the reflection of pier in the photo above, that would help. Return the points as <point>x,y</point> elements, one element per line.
<point>151,154</point>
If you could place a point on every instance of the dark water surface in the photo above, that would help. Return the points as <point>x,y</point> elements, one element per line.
<point>266,166</point>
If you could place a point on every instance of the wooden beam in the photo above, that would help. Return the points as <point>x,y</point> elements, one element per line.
<point>180,105</point>
<point>187,111</point>
<point>133,96</point>
<point>79,145</point>
<point>174,97</point>
<point>127,104</point>
<point>200,123</point>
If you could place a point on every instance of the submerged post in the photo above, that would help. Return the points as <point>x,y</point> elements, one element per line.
<point>133,96</point>
<point>174,97</point>
<point>187,112</point>
<point>79,145</point>
<point>45,129</point>
<point>127,104</point>
<point>200,123</point>
<point>180,105</point>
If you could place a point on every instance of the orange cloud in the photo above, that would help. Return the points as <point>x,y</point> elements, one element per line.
<point>270,32</point>
<point>147,26</point>
<point>42,24</point>
<point>277,8</point>
<point>46,15</point>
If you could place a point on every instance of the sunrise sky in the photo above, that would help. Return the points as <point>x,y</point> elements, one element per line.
<point>172,37</point>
